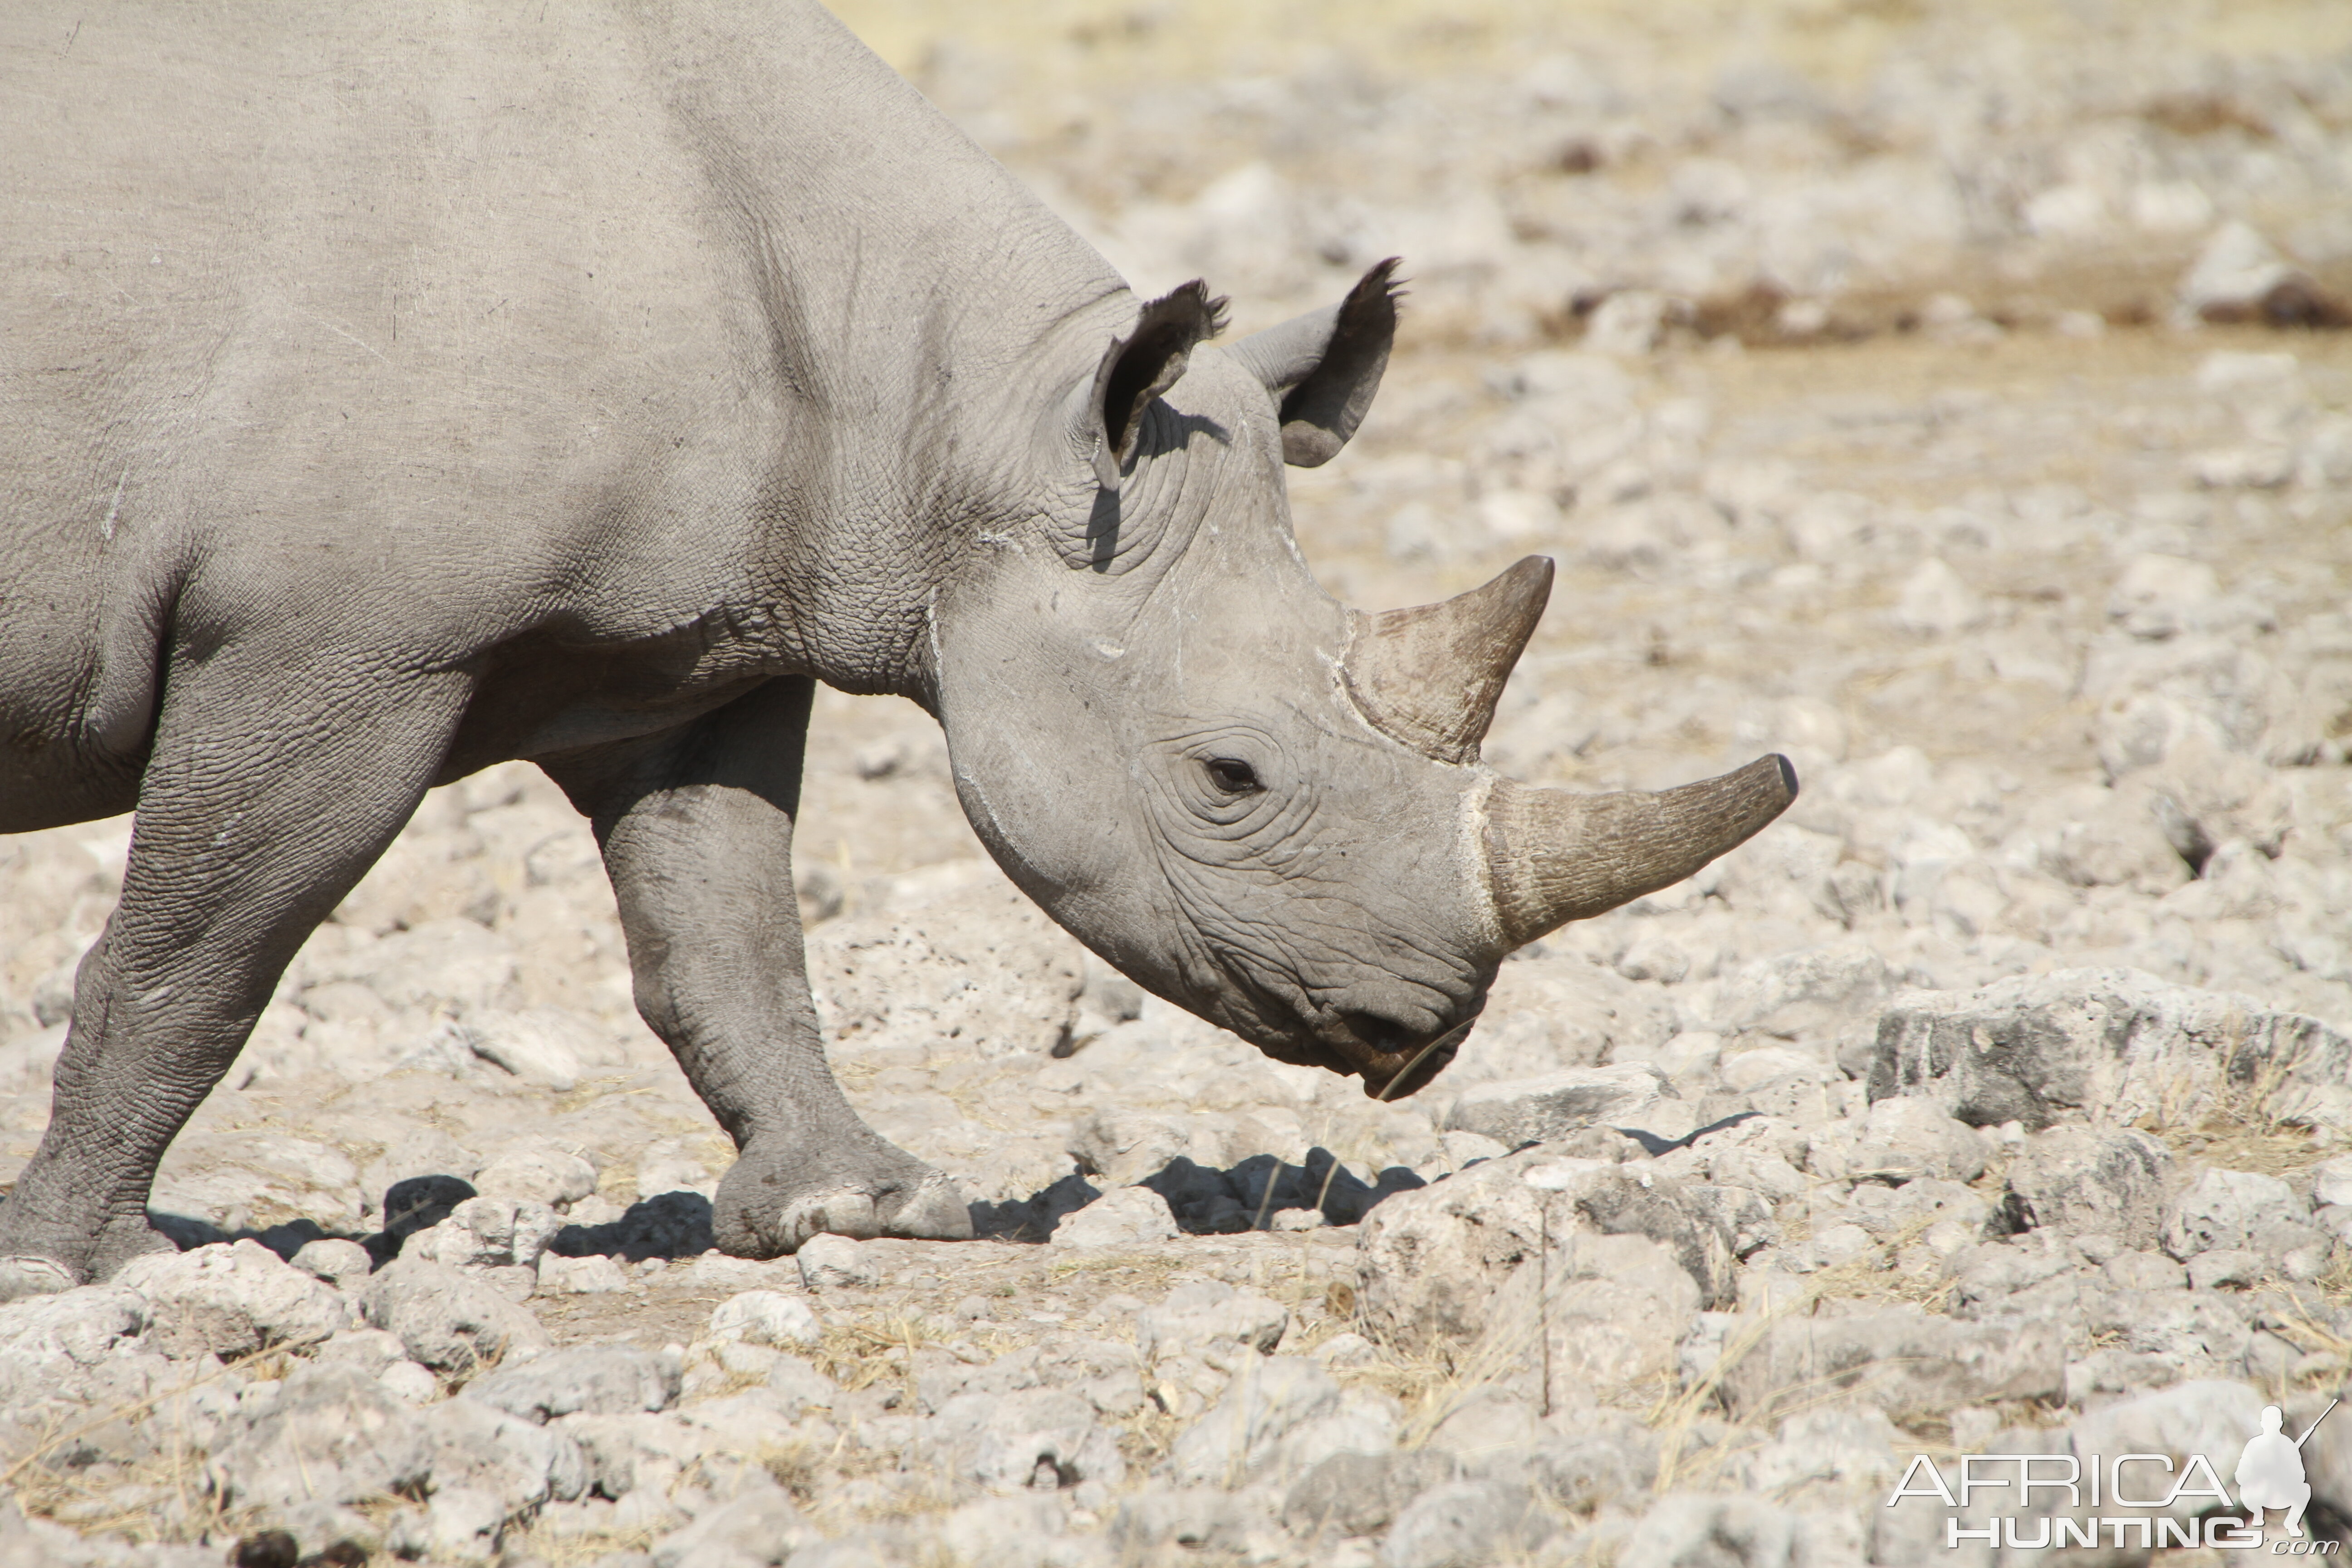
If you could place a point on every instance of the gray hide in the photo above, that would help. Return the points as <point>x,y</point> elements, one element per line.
<point>393,391</point>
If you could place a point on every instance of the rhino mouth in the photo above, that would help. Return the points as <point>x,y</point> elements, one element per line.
<point>1393,1059</point>
<point>1393,1062</point>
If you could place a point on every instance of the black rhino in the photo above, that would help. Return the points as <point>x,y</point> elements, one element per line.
<point>393,392</point>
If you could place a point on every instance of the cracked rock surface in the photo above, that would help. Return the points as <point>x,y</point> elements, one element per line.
<point>1945,397</point>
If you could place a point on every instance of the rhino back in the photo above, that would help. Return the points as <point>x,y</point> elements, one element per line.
<point>450,331</point>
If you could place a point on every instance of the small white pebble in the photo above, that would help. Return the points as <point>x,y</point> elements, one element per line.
<point>406,1381</point>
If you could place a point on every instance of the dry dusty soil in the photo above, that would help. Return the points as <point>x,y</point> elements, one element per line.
<point>1949,396</point>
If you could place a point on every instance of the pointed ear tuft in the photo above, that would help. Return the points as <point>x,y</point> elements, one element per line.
<point>1141,365</point>
<point>1325,366</point>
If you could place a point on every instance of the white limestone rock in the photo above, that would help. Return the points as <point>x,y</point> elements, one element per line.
<point>230,1300</point>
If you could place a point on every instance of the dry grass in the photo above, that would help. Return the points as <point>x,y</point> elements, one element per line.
<point>797,1466</point>
<point>1438,1381</point>
<point>1435,1385</point>
<point>815,1473</point>
<point>883,1349</point>
<point>898,1494</point>
<point>1148,1270</point>
<point>734,1382</point>
<point>158,1497</point>
<point>591,1090</point>
<point>839,1481</point>
<point>1511,1339</point>
<point>1673,1418</point>
<point>2236,1143</point>
<point>1317,1317</point>
<point>1146,1436</point>
<point>541,1545</point>
<point>2307,1324</point>
<point>2253,1125</point>
<point>860,1355</point>
<point>2335,1286</point>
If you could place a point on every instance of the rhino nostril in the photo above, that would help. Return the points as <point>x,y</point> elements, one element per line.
<point>1385,1036</point>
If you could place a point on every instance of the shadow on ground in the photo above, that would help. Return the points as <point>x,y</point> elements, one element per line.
<point>1261,1192</point>
<point>668,1224</point>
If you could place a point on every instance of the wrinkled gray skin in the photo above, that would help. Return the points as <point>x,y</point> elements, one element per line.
<point>386,401</point>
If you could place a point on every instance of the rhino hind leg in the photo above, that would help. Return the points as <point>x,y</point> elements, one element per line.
<point>695,825</point>
<point>274,783</point>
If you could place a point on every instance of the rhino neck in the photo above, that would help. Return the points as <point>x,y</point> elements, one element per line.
<point>911,308</point>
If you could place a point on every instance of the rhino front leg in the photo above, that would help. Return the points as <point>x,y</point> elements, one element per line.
<point>276,779</point>
<point>695,825</point>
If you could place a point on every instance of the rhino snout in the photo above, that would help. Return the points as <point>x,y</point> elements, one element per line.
<point>1391,1036</point>
<point>1397,1074</point>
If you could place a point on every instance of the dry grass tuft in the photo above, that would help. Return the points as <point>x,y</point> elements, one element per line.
<point>161,1497</point>
<point>1673,1418</point>
<point>541,1545</point>
<point>158,1496</point>
<point>2253,1124</point>
<point>860,1355</point>
<point>1146,1436</point>
<point>1512,1341</point>
<point>591,1090</point>
<point>1150,1271</point>
<point>2308,1325</point>
<point>2335,1286</point>
<point>797,1466</point>
<point>2236,1143</point>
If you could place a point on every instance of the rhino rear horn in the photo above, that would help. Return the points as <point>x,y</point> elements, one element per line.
<point>1141,365</point>
<point>1430,676</point>
<point>1554,856</point>
<point>1325,366</point>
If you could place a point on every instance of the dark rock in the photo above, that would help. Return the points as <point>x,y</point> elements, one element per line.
<point>2115,1043</point>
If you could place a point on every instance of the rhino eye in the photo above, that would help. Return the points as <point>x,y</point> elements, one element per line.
<point>1233,775</point>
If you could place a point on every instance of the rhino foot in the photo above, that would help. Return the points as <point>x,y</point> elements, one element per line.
<point>33,1269</point>
<point>123,1241</point>
<point>773,1201</point>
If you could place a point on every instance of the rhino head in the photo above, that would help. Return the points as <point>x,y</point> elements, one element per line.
<point>1261,805</point>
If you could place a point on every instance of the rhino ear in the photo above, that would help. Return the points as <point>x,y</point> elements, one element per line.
<point>1139,367</point>
<point>1325,366</point>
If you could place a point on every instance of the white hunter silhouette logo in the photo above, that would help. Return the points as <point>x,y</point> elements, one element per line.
<point>2270,1474</point>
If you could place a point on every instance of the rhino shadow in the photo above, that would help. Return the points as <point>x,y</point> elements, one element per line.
<point>188,1232</point>
<point>1603,1142</point>
<point>677,1225</point>
<point>410,1204</point>
<point>1206,1201</point>
<point>667,1224</point>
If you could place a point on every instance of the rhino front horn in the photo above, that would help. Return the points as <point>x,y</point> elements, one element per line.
<point>1430,676</point>
<point>1554,856</point>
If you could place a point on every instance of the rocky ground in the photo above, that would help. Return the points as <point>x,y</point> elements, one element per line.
<point>1945,399</point>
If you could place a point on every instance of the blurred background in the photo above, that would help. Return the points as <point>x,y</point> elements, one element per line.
<point>1780,171</point>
